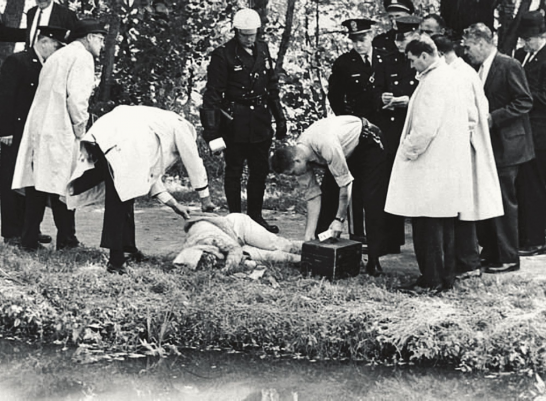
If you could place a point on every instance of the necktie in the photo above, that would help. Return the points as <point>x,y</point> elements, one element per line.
<point>35,34</point>
<point>366,60</point>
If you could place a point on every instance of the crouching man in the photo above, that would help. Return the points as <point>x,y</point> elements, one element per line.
<point>123,156</point>
<point>349,148</point>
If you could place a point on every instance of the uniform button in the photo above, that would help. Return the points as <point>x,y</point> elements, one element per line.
<point>251,107</point>
<point>396,82</point>
<point>411,82</point>
<point>392,118</point>
<point>18,118</point>
<point>356,81</point>
<point>32,84</point>
<point>252,91</point>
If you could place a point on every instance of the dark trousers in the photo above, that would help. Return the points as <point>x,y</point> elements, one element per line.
<point>118,229</point>
<point>35,204</point>
<point>355,213</point>
<point>368,167</point>
<point>395,235</point>
<point>499,236</point>
<point>257,157</point>
<point>12,206</point>
<point>434,244</point>
<point>531,193</point>
<point>467,253</point>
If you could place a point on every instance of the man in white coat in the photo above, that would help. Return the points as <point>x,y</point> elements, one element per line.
<point>123,156</point>
<point>486,193</point>
<point>57,119</point>
<point>431,178</point>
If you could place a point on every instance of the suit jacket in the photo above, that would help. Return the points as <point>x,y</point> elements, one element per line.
<point>510,101</point>
<point>535,70</point>
<point>18,82</point>
<point>61,17</point>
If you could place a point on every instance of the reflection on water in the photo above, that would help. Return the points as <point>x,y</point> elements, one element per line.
<point>31,373</point>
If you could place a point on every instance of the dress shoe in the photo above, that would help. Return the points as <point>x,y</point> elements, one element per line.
<point>469,274</point>
<point>373,268</point>
<point>69,245</point>
<point>38,247</point>
<point>486,262</point>
<point>502,268</point>
<point>532,250</point>
<point>266,225</point>
<point>111,268</point>
<point>44,239</point>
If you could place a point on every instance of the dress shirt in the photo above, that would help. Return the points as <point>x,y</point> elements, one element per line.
<point>486,66</point>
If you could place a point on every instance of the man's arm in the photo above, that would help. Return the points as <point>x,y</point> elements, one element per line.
<point>518,89</point>
<point>313,211</point>
<point>344,196</point>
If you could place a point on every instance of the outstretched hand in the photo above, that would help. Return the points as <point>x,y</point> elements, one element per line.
<point>181,210</point>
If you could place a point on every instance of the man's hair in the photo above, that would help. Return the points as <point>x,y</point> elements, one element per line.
<point>443,44</point>
<point>438,18</point>
<point>283,159</point>
<point>419,46</point>
<point>479,31</point>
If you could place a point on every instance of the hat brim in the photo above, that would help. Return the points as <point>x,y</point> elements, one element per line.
<point>359,32</point>
<point>531,32</point>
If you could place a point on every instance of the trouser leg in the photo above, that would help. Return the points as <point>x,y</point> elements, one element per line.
<point>434,244</point>
<point>499,236</point>
<point>355,213</point>
<point>65,222</point>
<point>466,246</point>
<point>35,204</point>
<point>234,157</point>
<point>257,155</point>
<point>368,162</point>
<point>12,210</point>
<point>118,231</point>
<point>531,195</point>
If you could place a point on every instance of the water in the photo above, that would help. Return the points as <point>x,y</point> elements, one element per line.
<point>49,373</point>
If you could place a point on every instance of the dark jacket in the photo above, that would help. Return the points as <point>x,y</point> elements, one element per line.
<point>61,17</point>
<point>396,76</point>
<point>18,82</point>
<point>351,85</point>
<point>244,86</point>
<point>535,71</point>
<point>510,101</point>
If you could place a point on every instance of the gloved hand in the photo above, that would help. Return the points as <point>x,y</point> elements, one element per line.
<point>281,131</point>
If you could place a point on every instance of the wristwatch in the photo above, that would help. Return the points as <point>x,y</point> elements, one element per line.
<point>340,219</point>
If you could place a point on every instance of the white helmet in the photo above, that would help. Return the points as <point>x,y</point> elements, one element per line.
<point>247,18</point>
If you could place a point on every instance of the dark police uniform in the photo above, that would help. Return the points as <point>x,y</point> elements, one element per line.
<point>18,83</point>
<point>245,87</point>
<point>351,92</point>
<point>394,75</point>
<point>385,41</point>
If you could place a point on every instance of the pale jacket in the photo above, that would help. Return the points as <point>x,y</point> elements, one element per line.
<point>140,143</point>
<point>432,174</point>
<point>486,192</point>
<point>57,119</point>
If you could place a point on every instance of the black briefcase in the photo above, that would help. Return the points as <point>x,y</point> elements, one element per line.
<point>333,258</point>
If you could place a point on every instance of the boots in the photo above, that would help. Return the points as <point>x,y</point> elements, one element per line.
<point>373,268</point>
<point>260,220</point>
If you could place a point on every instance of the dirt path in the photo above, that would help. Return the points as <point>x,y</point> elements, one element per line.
<point>159,232</point>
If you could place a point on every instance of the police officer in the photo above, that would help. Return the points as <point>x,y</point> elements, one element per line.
<point>395,83</point>
<point>351,93</point>
<point>395,9</point>
<point>242,93</point>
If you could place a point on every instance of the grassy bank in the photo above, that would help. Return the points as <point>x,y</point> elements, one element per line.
<point>491,324</point>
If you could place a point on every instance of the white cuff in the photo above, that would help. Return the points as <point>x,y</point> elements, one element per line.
<point>164,197</point>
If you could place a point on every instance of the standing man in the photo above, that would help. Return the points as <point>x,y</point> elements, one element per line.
<point>486,193</point>
<point>241,95</point>
<point>347,147</point>
<point>394,85</point>
<point>56,121</point>
<point>351,93</point>
<point>431,178</point>
<point>18,84</point>
<point>395,9</point>
<point>510,100</point>
<point>133,147</point>
<point>532,177</point>
<point>47,12</point>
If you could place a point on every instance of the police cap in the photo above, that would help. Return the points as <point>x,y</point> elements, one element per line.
<point>357,26</point>
<point>399,5</point>
<point>53,32</point>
